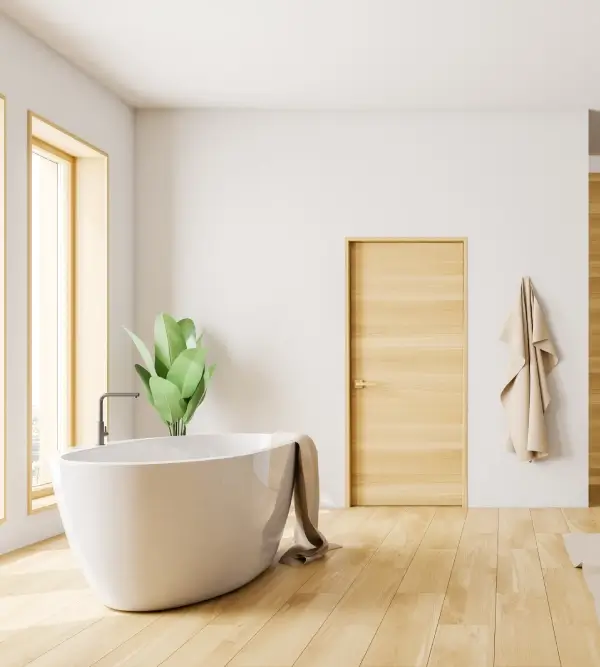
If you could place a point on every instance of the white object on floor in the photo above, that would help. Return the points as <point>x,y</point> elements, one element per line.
<point>583,550</point>
<point>166,522</point>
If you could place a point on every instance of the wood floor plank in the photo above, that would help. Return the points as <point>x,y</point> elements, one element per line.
<point>18,611</point>
<point>595,510</point>
<point>524,629</point>
<point>361,538</point>
<point>40,572</point>
<point>44,600</point>
<point>284,637</point>
<point>570,601</point>
<point>57,543</point>
<point>515,529</point>
<point>553,554</point>
<point>406,634</point>
<point>465,635</point>
<point>445,529</point>
<point>429,572</point>
<point>574,617</point>
<point>471,595</point>
<point>157,641</point>
<point>463,646</point>
<point>60,625</point>
<point>412,587</point>
<point>519,573</point>
<point>36,583</point>
<point>581,520</point>
<point>220,641</point>
<point>95,641</point>
<point>571,606</point>
<point>29,643</point>
<point>579,646</point>
<point>407,629</point>
<point>524,633</point>
<point>356,618</point>
<point>549,520</point>
<point>481,521</point>
<point>405,638</point>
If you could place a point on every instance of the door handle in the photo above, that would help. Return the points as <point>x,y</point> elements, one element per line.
<point>363,384</point>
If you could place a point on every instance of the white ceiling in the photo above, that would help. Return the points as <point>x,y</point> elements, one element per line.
<point>330,54</point>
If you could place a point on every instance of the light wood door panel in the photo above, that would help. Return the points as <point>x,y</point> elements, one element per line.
<point>407,319</point>
<point>594,339</point>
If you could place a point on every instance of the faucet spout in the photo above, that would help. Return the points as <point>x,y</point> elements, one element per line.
<point>102,432</point>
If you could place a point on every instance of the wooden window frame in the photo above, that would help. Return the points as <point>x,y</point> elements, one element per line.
<point>90,328</point>
<point>37,145</point>
<point>42,491</point>
<point>3,225</point>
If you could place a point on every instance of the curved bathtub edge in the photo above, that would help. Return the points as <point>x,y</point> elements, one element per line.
<point>137,558</point>
<point>191,603</point>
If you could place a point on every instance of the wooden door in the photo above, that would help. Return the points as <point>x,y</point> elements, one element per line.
<point>594,336</point>
<point>407,372</point>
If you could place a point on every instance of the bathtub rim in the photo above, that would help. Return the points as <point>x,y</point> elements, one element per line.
<point>70,458</point>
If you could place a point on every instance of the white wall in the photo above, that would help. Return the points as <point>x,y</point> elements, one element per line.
<point>241,219</point>
<point>34,77</point>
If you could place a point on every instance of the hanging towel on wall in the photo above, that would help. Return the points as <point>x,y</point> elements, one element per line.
<point>309,541</point>
<point>525,395</point>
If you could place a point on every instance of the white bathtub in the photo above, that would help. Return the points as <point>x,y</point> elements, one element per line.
<point>166,522</point>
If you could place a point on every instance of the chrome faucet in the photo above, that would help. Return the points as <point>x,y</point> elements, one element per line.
<point>102,432</point>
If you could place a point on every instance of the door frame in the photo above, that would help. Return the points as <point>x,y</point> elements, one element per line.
<point>349,242</point>
<point>593,177</point>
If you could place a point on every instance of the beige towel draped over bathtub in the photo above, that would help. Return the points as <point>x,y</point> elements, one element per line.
<point>309,542</point>
<point>525,396</point>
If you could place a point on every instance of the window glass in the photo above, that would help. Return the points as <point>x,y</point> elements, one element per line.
<point>50,310</point>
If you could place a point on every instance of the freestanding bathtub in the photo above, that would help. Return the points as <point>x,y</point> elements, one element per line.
<point>166,522</point>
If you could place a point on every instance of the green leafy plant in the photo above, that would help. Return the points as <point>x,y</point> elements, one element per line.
<point>175,381</point>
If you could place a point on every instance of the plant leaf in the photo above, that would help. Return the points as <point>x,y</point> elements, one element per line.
<point>161,369</point>
<point>188,330</point>
<point>199,395</point>
<point>195,401</point>
<point>169,342</point>
<point>187,370</point>
<point>167,400</point>
<point>145,378</point>
<point>143,350</point>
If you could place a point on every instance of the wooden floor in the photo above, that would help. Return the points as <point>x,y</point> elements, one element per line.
<point>412,587</point>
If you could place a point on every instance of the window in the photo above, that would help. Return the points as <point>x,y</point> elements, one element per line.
<point>52,289</point>
<point>68,298</point>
